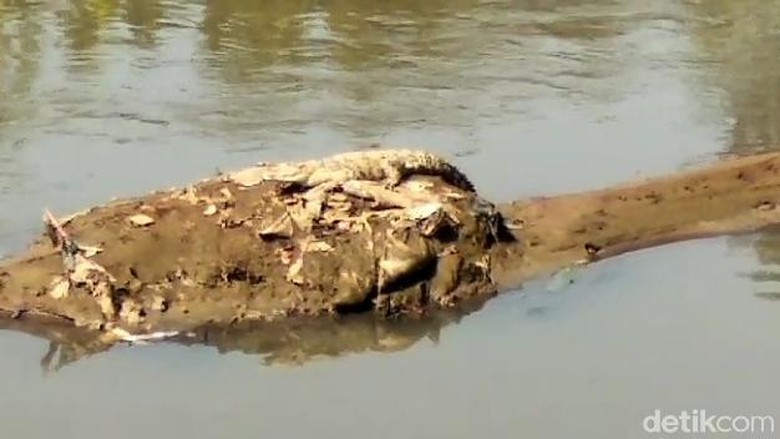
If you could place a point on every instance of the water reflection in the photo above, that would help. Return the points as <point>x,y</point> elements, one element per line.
<point>102,98</point>
<point>144,17</point>
<point>20,59</point>
<point>767,275</point>
<point>244,36</point>
<point>286,343</point>
<point>740,40</point>
<point>83,21</point>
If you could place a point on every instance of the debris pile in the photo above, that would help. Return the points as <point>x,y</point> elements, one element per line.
<point>392,232</point>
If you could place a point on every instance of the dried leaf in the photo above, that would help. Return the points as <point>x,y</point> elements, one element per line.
<point>211,209</point>
<point>159,304</point>
<point>440,220</point>
<point>338,197</point>
<point>247,177</point>
<point>319,246</point>
<point>282,227</point>
<point>84,268</point>
<point>341,207</point>
<point>187,194</point>
<point>423,211</point>
<point>295,272</point>
<point>141,220</point>
<point>60,288</point>
<point>90,250</point>
<point>285,255</point>
<point>131,312</point>
<point>303,216</point>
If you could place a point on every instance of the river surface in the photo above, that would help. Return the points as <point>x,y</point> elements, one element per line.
<point>108,98</point>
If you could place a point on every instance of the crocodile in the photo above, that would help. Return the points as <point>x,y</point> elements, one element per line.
<point>390,166</point>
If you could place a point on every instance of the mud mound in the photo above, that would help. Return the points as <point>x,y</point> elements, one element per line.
<point>258,245</point>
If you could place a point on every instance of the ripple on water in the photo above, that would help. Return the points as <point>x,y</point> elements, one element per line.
<point>530,97</point>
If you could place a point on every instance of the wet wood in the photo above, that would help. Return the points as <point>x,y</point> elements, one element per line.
<point>734,196</point>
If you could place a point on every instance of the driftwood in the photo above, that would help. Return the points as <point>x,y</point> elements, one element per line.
<point>246,265</point>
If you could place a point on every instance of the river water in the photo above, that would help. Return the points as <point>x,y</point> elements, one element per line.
<point>105,98</point>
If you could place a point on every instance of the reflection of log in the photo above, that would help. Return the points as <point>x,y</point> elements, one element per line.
<point>295,342</point>
<point>285,342</point>
<point>222,256</point>
<point>67,343</point>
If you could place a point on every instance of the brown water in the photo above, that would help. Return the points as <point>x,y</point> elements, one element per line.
<point>105,98</point>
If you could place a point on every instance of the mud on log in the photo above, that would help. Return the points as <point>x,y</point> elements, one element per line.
<point>392,232</point>
<point>733,196</point>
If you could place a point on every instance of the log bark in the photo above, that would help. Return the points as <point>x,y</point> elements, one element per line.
<point>734,196</point>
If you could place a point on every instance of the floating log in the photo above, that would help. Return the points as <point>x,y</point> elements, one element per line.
<point>385,233</point>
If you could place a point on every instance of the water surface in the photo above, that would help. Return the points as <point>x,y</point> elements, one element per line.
<point>108,98</point>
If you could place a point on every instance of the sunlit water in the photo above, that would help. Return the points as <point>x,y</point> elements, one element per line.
<point>105,98</point>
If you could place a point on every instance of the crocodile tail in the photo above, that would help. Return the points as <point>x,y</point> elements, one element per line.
<point>457,178</point>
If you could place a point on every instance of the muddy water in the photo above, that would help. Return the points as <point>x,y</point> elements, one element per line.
<point>105,98</point>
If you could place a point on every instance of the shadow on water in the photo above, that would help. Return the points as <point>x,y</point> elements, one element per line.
<point>289,342</point>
